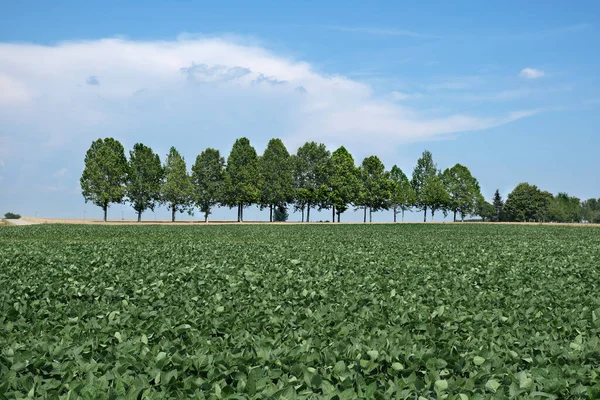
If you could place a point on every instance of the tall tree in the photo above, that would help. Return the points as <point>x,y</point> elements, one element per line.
<point>342,182</point>
<point>401,192</point>
<point>463,190</point>
<point>310,164</point>
<point>423,174</point>
<point>374,187</point>
<point>105,173</point>
<point>242,178</point>
<point>176,190</point>
<point>499,206</point>
<point>485,210</point>
<point>434,194</point>
<point>277,180</point>
<point>144,179</point>
<point>527,203</point>
<point>207,180</point>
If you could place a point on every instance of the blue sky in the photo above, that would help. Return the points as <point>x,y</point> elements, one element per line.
<point>509,89</point>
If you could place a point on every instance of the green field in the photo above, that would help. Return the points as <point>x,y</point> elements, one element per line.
<point>315,311</point>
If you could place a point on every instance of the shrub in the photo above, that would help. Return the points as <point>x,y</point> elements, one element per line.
<point>280,215</point>
<point>10,215</point>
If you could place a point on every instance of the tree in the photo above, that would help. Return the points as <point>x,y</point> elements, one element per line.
<point>434,194</point>
<point>207,180</point>
<point>105,173</point>
<point>242,178</point>
<point>309,170</point>
<point>590,210</point>
<point>374,187</point>
<point>498,206</point>
<point>176,191</point>
<point>401,192</point>
<point>485,210</point>
<point>463,190</point>
<point>527,203</point>
<point>280,214</point>
<point>277,180</point>
<point>144,178</point>
<point>564,208</point>
<point>422,175</point>
<point>342,182</point>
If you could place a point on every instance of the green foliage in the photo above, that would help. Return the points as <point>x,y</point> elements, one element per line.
<point>402,195</point>
<point>463,190</point>
<point>242,178</point>
<point>358,312</point>
<point>424,173</point>
<point>498,204</point>
<point>527,203</point>
<point>485,210</point>
<point>105,173</point>
<point>10,215</point>
<point>144,179</point>
<point>590,210</point>
<point>435,195</point>
<point>374,186</point>
<point>564,208</point>
<point>176,190</point>
<point>280,214</point>
<point>276,176</point>
<point>208,175</point>
<point>342,181</point>
<point>310,176</point>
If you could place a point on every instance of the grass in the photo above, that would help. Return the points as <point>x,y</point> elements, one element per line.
<point>319,311</point>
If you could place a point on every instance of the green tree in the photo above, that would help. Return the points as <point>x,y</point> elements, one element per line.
<point>590,210</point>
<point>485,210</point>
<point>277,180</point>
<point>527,203</point>
<point>435,195</point>
<point>401,192</point>
<point>242,178</point>
<point>423,174</point>
<point>105,173</point>
<point>280,214</point>
<point>176,190</point>
<point>207,180</point>
<point>564,208</point>
<point>309,169</point>
<point>463,190</point>
<point>374,187</point>
<point>498,204</point>
<point>342,182</point>
<point>144,179</point>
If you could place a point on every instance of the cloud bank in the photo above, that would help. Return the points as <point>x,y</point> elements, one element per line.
<point>197,87</point>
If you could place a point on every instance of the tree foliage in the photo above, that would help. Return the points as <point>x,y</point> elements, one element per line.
<point>435,195</point>
<point>207,180</point>
<point>144,179</point>
<point>463,190</point>
<point>485,210</point>
<point>402,194</point>
<point>564,208</point>
<point>424,174</point>
<point>310,176</point>
<point>277,180</point>
<point>527,203</point>
<point>242,178</point>
<point>374,189</point>
<point>176,190</point>
<point>498,204</point>
<point>342,181</point>
<point>105,174</point>
<point>590,210</point>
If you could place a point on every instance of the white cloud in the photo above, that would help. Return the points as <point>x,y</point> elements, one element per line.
<point>531,73</point>
<point>402,96</point>
<point>60,173</point>
<point>200,83</point>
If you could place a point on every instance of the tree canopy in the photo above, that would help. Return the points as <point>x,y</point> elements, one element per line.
<point>207,180</point>
<point>277,180</point>
<point>342,181</point>
<point>105,173</point>
<point>423,175</point>
<point>402,195</point>
<point>463,190</point>
<point>242,177</point>
<point>310,176</point>
<point>144,179</point>
<point>176,191</point>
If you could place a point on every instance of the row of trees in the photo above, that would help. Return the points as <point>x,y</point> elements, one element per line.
<point>311,179</point>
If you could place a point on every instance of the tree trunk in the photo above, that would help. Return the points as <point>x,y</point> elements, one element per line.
<point>403,215</point>
<point>454,215</point>
<point>370,215</point>
<point>139,216</point>
<point>206,218</point>
<point>271,213</point>
<point>105,211</point>
<point>332,214</point>
<point>425,214</point>
<point>238,211</point>
<point>395,209</point>
<point>241,212</point>
<point>302,214</point>
<point>172,213</point>
<point>338,214</point>
<point>364,214</point>
<point>308,212</point>
<point>432,213</point>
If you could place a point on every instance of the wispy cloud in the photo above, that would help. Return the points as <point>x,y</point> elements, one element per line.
<point>531,73</point>
<point>60,173</point>
<point>381,31</point>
